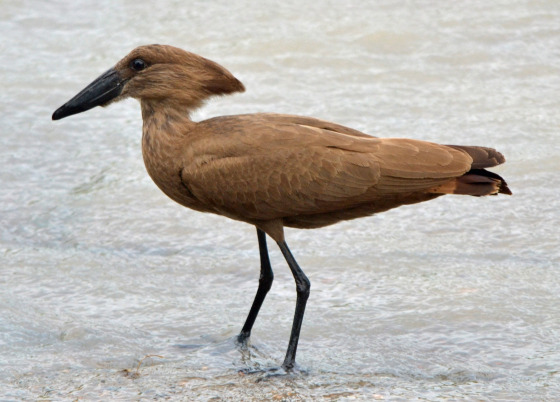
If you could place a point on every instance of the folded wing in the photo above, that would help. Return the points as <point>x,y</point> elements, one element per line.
<point>278,166</point>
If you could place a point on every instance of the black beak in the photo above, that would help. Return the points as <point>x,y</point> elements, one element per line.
<point>105,88</point>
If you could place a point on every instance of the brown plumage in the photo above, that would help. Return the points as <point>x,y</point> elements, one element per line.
<point>273,170</point>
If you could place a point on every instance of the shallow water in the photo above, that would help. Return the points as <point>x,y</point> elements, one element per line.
<point>111,291</point>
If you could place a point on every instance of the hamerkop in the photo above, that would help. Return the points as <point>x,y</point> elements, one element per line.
<point>274,170</point>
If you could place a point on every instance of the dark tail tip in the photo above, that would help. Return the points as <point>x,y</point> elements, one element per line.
<point>476,182</point>
<point>499,180</point>
<point>482,178</point>
<point>504,189</point>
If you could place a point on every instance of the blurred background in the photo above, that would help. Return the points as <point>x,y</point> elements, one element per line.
<point>109,290</point>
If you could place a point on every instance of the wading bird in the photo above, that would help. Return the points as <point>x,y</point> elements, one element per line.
<point>274,170</point>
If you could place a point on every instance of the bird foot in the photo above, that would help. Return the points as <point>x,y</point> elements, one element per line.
<point>265,374</point>
<point>242,340</point>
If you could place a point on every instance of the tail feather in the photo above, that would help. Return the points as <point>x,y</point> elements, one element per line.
<point>483,157</point>
<point>476,182</point>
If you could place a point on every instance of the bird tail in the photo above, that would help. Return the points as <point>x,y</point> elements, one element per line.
<point>477,182</point>
<point>482,157</point>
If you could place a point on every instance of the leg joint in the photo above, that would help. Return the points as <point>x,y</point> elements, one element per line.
<point>303,287</point>
<point>265,281</point>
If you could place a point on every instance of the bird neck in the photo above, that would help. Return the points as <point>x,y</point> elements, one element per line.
<point>164,133</point>
<point>167,117</point>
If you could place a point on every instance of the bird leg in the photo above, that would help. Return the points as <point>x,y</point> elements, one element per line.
<point>303,287</point>
<point>265,282</point>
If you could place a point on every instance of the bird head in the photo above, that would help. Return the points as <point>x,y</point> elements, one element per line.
<point>155,74</point>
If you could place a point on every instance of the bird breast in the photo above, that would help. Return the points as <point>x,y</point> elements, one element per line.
<point>164,152</point>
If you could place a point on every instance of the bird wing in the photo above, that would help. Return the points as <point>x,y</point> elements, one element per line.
<point>261,167</point>
<point>309,122</point>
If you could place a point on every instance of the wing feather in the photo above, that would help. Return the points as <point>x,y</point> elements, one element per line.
<point>265,167</point>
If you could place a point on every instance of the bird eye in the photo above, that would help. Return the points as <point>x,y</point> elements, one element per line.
<point>138,64</point>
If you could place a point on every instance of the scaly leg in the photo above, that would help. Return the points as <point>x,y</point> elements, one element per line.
<point>265,282</point>
<point>303,287</point>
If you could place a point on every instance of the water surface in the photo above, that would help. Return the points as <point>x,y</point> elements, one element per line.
<point>111,291</point>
